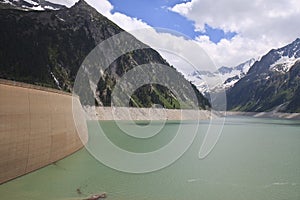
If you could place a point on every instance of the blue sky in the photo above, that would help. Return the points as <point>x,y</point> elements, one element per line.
<point>156,14</point>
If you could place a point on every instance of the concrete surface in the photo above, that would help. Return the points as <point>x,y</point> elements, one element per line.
<point>36,128</point>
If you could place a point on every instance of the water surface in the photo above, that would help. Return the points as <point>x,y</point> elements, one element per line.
<point>254,159</point>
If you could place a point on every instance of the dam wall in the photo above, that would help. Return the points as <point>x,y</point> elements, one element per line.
<point>36,128</point>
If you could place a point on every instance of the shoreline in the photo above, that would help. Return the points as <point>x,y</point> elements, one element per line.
<point>144,114</point>
<point>271,115</point>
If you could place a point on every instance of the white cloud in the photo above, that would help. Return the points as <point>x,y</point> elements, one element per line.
<point>184,54</point>
<point>103,6</point>
<point>260,26</point>
<point>235,51</point>
<point>235,15</point>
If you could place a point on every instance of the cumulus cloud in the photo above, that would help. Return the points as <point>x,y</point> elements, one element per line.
<point>104,7</point>
<point>240,16</point>
<point>234,51</point>
<point>260,25</point>
<point>183,53</point>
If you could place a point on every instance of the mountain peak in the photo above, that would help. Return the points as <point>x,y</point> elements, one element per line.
<point>277,58</point>
<point>81,3</point>
<point>86,8</point>
<point>224,70</point>
<point>227,75</point>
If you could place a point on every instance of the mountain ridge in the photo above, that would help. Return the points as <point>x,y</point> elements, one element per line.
<point>31,5</point>
<point>272,83</point>
<point>47,48</point>
<point>221,79</point>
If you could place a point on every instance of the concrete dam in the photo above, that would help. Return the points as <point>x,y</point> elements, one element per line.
<point>37,127</point>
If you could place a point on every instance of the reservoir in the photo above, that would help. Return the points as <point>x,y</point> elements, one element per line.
<point>253,159</point>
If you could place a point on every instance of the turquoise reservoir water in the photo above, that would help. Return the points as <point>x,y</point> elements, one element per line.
<point>253,159</point>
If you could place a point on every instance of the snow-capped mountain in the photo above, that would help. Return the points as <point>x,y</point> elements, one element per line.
<point>284,64</point>
<point>278,60</point>
<point>223,78</point>
<point>286,57</point>
<point>39,5</point>
<point>273,83</point>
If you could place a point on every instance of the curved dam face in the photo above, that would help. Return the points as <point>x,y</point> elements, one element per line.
<point>36,128</point>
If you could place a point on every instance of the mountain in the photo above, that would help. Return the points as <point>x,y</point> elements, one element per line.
<point>48,47</point>
<point>271,84</point>
<point>223,78</point>
<point>28,5</point>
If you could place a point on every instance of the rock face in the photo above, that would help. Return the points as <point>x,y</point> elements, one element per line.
<point>271,84</point>
<point>47,48</point>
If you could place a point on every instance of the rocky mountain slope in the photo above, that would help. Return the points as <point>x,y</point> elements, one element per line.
<point>271,84</point>
<point>47,48</point>
<point>223,78</point>
<point>27,5</point>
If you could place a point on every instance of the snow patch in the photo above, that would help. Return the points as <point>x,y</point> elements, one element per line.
<point>31,2</point>
<point>61,19</point>
<point>67,3</point>
<point>29,5</point>
<point>284,64</point>
<point>39,8</point>
<point>51,8</point>
<point>55,79</point>
<point>231,83</point>
<point>7,2</point>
